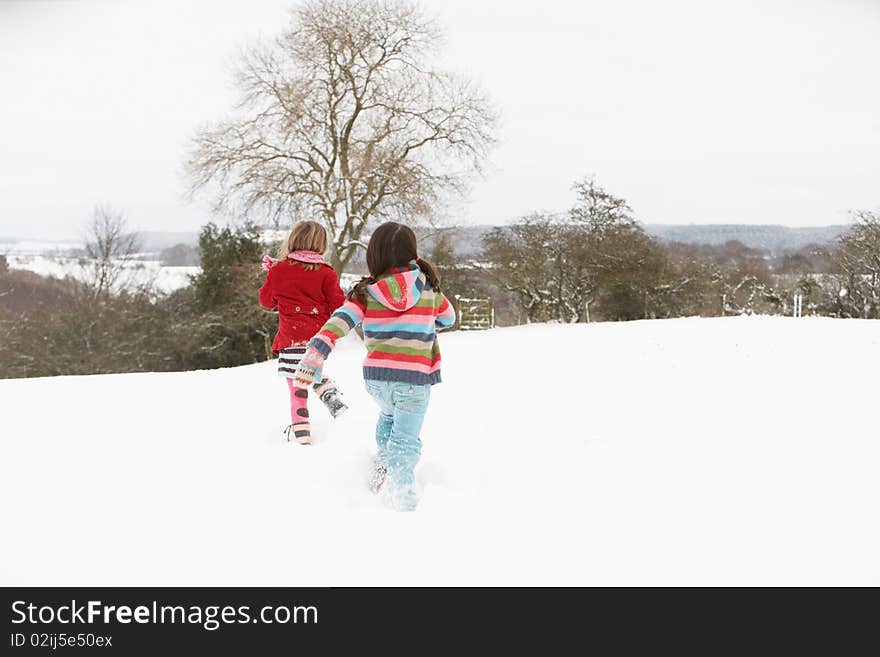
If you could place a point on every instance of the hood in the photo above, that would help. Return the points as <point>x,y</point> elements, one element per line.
<point>400,289</point>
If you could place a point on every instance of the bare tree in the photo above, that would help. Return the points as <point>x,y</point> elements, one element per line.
<point>345,119</point>
<point>597,207</point>
<point>109,249</point>
<point>558,266</point>
<point>522,259</point>
<point>858,256</point>
<point>606,245</point>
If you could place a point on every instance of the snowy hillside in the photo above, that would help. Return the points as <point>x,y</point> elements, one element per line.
<point>698,451</point>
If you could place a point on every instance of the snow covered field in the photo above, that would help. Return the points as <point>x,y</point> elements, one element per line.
<point>54,259</point>
<point>737,451</point>
<point>138,272</point>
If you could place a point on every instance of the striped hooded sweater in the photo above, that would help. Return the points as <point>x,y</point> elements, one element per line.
<point>400,323</point>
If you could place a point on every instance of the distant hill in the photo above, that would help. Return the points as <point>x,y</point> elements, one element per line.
<point>154,241</point>
<point>776,239</point>
<point>771,238</point>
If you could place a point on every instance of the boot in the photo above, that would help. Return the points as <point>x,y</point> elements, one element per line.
<point>377,478</point>
<point>329,395</point>
<point>301,433</point>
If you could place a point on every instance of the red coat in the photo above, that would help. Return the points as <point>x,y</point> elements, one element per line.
<point>305,300</point>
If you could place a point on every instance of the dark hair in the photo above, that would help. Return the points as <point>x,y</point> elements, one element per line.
<point>392,245</point>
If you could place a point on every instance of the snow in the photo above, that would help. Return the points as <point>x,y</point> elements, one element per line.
<point>274,236</point>
<point>732,451</point>
<point>140,272</point>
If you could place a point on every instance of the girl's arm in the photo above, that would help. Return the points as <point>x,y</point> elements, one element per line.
<point>332,292</point>
<point>340,323</point>
<point>267,296</point>
<point>445,313</point>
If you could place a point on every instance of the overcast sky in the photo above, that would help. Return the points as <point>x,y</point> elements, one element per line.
<point>696,111</point>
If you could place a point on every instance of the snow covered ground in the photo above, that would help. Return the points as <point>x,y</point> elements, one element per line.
<point>738,451</point>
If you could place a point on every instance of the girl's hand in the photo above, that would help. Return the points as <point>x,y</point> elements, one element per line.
<point>309,369</point>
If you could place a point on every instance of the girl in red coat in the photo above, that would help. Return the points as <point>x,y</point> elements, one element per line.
<point>306,291</point>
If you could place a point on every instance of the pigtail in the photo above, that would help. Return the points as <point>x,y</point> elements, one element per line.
<point>359,291</point>
<point>431,274</point>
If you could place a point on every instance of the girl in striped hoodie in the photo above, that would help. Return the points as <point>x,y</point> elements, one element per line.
<point>400,308</point>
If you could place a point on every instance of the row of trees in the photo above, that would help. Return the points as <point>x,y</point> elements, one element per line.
<point>558,267</point>
<point>596,262</point>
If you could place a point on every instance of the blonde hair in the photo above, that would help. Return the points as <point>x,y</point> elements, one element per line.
<point>305,236</point>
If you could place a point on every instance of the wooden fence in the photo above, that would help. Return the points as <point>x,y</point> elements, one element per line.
<point>475,314</point>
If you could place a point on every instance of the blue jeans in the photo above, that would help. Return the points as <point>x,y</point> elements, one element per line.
<point>402,408</point>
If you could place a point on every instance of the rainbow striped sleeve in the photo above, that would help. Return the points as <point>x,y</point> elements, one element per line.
<point>346,317</point>
<point>445,312</point>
